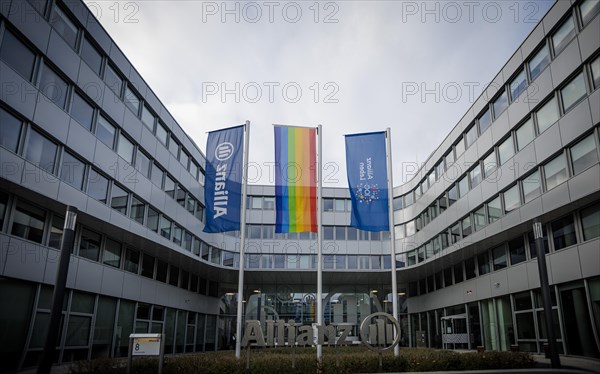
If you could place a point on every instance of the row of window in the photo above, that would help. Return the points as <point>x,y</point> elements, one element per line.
<point>486,168</point>
<point>580,156</point>
<point>265,232</point>
<point>530,70</point>
<point>564,232</point>
<point>329,204</point>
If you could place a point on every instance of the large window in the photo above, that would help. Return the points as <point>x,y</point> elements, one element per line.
<point>111,255</point>
<point>532,186</point>
<point>132,261</point>
<point>89,245</point>
<point>10,130</point>
<point>512,198</point>
<point>97,186</point>
<point>113,80</point>
<point>142,163</point>
<point>518,85</point>
<point>471,135</point>
<point>463,186</point>
<point>556,171</point>
<point>53,87</point>
<point>125,148</point>
<point>131,100</point>
<point>459,148</point>
<point>539,62</point>
<point>475,175</point>
<point>525,134</point>
<point>483,263</point>
<point>137,210</point>
<point>91,56</point>
<point>72,170</point>
<point>152,221</point>
<point>64,26</point>
<point>563,35</point>
<point>590,222</point>
<point>516,249</point>
<point>485,121</point>
<point>563,232</point>
<point>105,132</point>
<point>584,154</point>
<point>489,164</point>
<point>157,175</point>
<point>506,150</point>
<point>148,118</point>
<point>494,210</point>
<point>573,92</point>
<point>589,9</point>
<point>547,115</point>
<point>500,104</point>
<point>119,199</point>
<point>161,133</point>
<point>82,111</point>
<point>28,222</point>
<point>499,258</point>
<point>17,55</point>
<point>41,151</point>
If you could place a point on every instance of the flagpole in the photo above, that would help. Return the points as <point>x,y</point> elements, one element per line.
<point>319,238</point>
<point>388,135</point>
<point>240,293</point>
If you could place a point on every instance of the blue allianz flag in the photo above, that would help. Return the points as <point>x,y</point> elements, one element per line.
<point>223,186</point>
<point>367,179</point>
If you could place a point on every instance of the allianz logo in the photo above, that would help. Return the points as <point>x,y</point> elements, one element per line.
<point>224,151</point>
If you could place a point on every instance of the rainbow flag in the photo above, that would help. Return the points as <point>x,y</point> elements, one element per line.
<point>295,179</point>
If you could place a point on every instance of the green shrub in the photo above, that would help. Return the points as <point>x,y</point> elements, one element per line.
<point>279,360</point>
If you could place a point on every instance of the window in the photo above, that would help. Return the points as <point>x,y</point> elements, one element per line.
<point>539,62</point>
<point>489,164</point>
<point>479,218</point>
<point>459,147</point>
<point>485,121</point>
<point>518,85</point>
<point>64,26</point>
<point>563,35</point>
<point>452,195</point>
<point>471,135</point>
<point>152,221</point>
<point>72,170</point>
<point>113,80</point>
<point>161,133</point>
<point>448,277</point>
<point>177,234</point>
<point>137,210</point>
<point>165,227</point>
<point>56,232</point>
<point>148,118</point>
<point>455,233</point>
<point>28,222</point>
<point>17,55</point>
<point>590,222</point>
<point>410,228</point>
<point>268,203</point>
<point>470,268</point>
<point>556,171</point>
<point>82,111</point>
<point>131,100</point>
<point>148,266</point>
<point>525,134</point>
<point>484,263</point>
<point>584,154</point>
<point>458,273</point>
<point>595,68</point>
<point>53,87</point>
<point>500,104</point>
<point>589,9</point>
<point>10,130</point>
<point>573,92</point>
<point>142,163</point>
<point>132,261</point>
<point>41,151</point>
<point>173,147</point>
<point>119,199</point>
<point>190,205</point>
<point>463,186</point>
<point>91,56</point>
<point>516,250</point>
<point>449,159</point>
<point>547,115</point>
<point>409,199</point>
<point>466,226</point>
<point>442,203</point>
<point>563,233</point>
<point>494,208</point>
<point>97,186</point>
<point>181,196</point>
<point>105,132</point>
<point>475,175</point>
<point>328,205</point>
<point>532,187</point>
<point>506,150</point>
<point>184,158</point>
<point>89,245</point>
<point>512,199</point>
<point>112,253</point>
<point>157,175</point>
<point>340,233</point>
<point>161,271</point>
<point>340,205</point>
<point>194,170</point>
<point>499,258</point>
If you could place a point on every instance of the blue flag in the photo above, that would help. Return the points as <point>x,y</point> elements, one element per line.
<point>223,187</point>
<point>367,179</point>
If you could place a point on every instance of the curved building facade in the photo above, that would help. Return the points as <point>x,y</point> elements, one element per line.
<point>79,126</point>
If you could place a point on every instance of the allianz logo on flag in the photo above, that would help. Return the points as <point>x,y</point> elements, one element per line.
<point>224,151</point>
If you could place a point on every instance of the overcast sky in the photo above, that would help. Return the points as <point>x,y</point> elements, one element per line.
<point>352,66</point>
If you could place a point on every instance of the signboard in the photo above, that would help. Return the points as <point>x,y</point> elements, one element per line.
<point>146,345</point>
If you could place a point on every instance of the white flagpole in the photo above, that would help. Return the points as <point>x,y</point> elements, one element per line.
<point>388,135</point>
<point>319,238</point>
<point>240,293</point>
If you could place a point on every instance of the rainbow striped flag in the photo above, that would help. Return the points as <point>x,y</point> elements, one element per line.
<point>295,179</point>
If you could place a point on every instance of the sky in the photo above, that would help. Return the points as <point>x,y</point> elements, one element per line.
<point>351,66</point>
